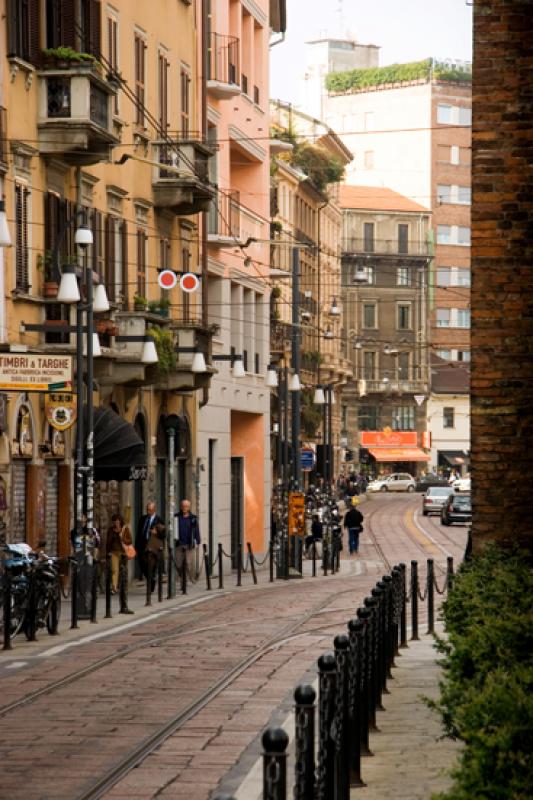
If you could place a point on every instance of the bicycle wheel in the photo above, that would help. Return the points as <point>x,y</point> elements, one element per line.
<point>54,612</point>
<point>18,609</point>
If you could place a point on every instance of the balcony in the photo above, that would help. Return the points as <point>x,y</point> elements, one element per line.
<point>395,386</point>
<point>182,184</point>
<point>224,220</point>
<point>280,337</point>
<point>383,247</point>
<point>187,335</point>
<point>75,115</point>
<point>224,72</point>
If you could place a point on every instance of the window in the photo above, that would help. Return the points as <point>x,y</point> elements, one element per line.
<point>369,365</point>
<point>453,276</point>
<point>23,19</point>
<point>142,239</point>
<point>463,355</point>
<point>444,114</point>
<point>463,235</point>
<point>444,234</point>
<point>445,354</point>
<point>368,237</point>
<point>369,159</point>
<point>403,316</point>
<point>140,72</point>
<point>463,318</point>
<point>368,418</point>
<point>185,101</point>
<point>463,277</point>
<point>465,116</point>
<point>448,417</point>
<point>444,276</point>
<point>369,315</point>
<point>162,79</point>
<point>444,193</point>
<point>403,276</point>
<point>112,53</point>
<point>22,278</point>
<point>403,366</point>
<point>443,317</point>
<point>454,154</point>
<point>403,418</point>
<point>464,195</point>
<point>403,238</point>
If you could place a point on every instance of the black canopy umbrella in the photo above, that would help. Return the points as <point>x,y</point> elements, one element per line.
<point>119,451</point>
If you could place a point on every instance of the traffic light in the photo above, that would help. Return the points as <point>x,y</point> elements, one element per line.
<point>364,455</point>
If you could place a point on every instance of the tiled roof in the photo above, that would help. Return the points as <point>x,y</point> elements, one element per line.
<point>449,377</point>
<point>376,198</point>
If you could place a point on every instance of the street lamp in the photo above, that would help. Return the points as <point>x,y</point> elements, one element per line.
<point>5,236</point>
<point>334,310</point>
<point>271,379</point>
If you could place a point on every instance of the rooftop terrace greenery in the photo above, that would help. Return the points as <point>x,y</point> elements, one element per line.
<point>356,79</point>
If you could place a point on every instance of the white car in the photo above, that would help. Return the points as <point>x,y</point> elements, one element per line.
<point>461,484</point>
<point>397,482</point>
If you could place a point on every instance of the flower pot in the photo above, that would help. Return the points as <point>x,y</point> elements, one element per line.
<point>50,288</point>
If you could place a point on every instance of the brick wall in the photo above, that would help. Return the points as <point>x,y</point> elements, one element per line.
<point>502,267</point>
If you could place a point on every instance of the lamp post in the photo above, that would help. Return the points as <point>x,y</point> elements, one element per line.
<point>69,293</point>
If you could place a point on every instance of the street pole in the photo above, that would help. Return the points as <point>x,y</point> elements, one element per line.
<point>285,429</point>
<point>296,399</point>
<point>171,432</point>
<point>330,437</point>
<point>90,406</point>
<point>79,479</point>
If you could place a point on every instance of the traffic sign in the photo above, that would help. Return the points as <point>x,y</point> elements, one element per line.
<point>307,459</point>
<point>167,279</point>
<point>189,282</point>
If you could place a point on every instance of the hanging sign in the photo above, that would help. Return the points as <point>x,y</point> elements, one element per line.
<point>167,279</point>
<point>189,282</point>
<point>419,398</point>
<point>296,513</point>
<point>60,409</point>
<point>32,372</point>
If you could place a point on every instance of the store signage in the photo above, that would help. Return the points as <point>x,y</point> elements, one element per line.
<point>307,459</point>
<point>296,513</point>
<point>34,372</point>
<point>388,438</point>
<point>60,409</point>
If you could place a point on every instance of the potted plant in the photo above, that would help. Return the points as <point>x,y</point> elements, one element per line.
<point>64,57</point>
<point>139,302</point>
<point>50,285</point>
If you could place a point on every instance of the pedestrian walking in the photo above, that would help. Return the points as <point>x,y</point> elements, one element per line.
<point>317,530</point>
<point>353,521</point>
<point>188,537</point>
<point>151,533</point>
<point>118,537</point>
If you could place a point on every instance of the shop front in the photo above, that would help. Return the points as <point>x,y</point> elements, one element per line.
<point>393,451</point>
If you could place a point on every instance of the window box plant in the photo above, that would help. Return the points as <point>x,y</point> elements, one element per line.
<point>139,302</point>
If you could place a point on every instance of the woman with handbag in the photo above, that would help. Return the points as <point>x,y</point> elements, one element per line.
<point>119,539</point>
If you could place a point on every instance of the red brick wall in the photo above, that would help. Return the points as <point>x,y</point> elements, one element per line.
<point>502,266</point>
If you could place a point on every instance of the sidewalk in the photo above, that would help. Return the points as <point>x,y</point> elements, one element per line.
<point>410,761</point>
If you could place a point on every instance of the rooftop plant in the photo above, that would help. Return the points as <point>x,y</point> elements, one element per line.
<point>354,79</point>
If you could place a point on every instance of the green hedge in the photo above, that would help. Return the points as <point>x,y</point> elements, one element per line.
<point>486,694</point>
<point>395,73</point>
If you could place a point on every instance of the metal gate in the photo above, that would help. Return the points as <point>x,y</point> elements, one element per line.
<point>18,504</point>
<point>51,507</point>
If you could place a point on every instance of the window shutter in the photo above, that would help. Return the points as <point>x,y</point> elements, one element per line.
<point>95,25</point>
<point>68,24</point>
<point>125,286</point>
<point>109,278</point>
<point>11,28</point>
<point>21,218</point>
<point>34,32</point>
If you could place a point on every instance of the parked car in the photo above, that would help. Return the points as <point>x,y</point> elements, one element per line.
<point>397,482</point>
<point>435,498</point>
<point>428,480</point>
<point>461,484</point>
<point>457,509</point>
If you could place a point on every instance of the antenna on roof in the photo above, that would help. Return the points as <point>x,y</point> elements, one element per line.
<point>341,19</point>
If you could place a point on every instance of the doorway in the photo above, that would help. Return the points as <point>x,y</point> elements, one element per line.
<point>236,506</point>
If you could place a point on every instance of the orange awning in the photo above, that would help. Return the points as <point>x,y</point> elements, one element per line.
<point>398,454</point>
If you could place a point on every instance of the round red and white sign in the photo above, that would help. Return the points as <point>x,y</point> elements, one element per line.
<point>189,282</point>
<point>167,279</point>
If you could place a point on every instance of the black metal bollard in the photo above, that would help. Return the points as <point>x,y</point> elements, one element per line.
<point>388,580</point>
<point>325,557</point>
<point>160,574</point>
<point>239,564</point>
<point>431,597</point>
<point>184,573</point>
<point>275,742</point>
<point>94,590</point>
<point>31,614</point>
<point>123,585</point>
<point>252,562</point>
<point>304,755</point>
<point>341,726</point>
<point>74,593</point>
<point>449,574</point>
<point>365,615</point>
<point>414,600</point>
<point>271,561</point>
<point>172,571</point>
<point>396,610</point>
<point>108,613</point>
<point>148,601</point>
<point>372,660</point>
<point>6,602</point>
<point>378,593</point>
<point>314,558</point>
<point>355,627</point>
<point>220,567</point>
<point>207,566</point>
<point>327,679</point>
<point>53,628</point>
<point>403,607</point>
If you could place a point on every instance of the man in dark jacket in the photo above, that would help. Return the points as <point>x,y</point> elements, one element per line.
<point>188,537</point>
<point>150,529</point>
<point>353,520</point>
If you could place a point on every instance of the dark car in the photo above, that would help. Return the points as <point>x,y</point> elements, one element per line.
<point>457,509</point>
<point>426,481</point>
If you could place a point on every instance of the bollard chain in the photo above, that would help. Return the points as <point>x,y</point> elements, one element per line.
<point>324,703</point>
<point>301,725</point>
<point>272,776</point>
<point>337,722</point>
<point>261,562</point>
<point>444,586</point>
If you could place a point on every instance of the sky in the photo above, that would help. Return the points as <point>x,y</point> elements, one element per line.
<point>405,31</point>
